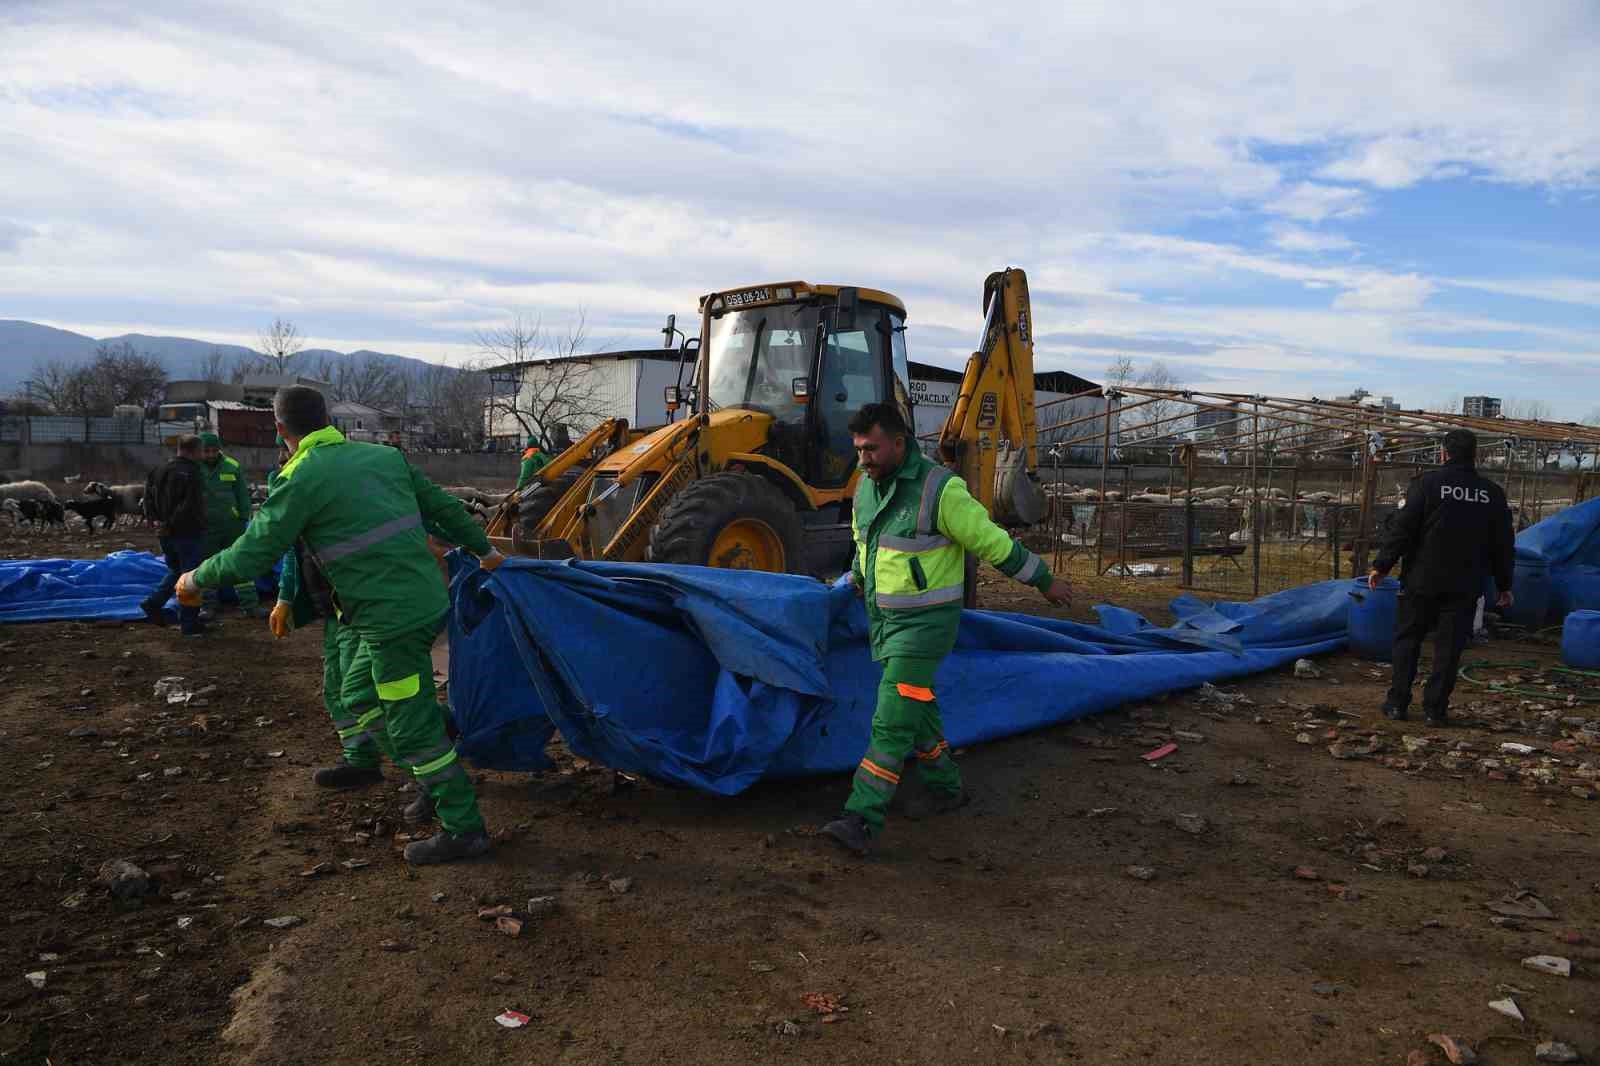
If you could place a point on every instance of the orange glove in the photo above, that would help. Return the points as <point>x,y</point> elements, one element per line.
<point>188,592</point>
<point>281,621</point>
<point>492,561</point>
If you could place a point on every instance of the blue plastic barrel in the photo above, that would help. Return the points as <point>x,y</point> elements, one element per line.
<point>1531,593</point>
<point>1580,640</point>
<point>1371,618</point>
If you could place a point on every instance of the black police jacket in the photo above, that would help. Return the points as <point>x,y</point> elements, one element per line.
<point>1454,530</point>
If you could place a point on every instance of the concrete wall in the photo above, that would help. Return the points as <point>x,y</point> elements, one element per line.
<point>121,464</point>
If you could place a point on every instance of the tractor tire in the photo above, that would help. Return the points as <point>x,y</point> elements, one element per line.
<point>733,522</point>
<point>533,507</point>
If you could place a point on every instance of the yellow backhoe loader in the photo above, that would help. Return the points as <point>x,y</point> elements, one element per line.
<point>760,471</point>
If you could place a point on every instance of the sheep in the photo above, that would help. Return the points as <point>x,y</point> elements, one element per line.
<point>26,490</point>
<point>36,512</point>
<point>129,499</point>
<point>91,507</point>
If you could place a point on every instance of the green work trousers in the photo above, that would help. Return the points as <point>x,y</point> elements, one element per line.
<point>245,591</point>
<point>362,745</point>
<point>388,691</point>
<point>905,723</point>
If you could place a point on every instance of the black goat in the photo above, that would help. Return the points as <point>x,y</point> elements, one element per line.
<point>90,508</point>
<point>36,512</point>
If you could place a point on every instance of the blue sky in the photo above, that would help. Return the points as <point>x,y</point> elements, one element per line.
<point>1287,199</point>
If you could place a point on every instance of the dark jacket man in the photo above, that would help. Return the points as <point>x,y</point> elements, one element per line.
<point>174,496</point>
<point>1454,529</point>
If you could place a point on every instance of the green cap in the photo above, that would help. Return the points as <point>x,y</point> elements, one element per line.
<point>210,440</point>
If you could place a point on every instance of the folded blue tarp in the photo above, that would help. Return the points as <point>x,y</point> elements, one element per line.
<point>71,590</point>
<point>714,679</point>
<point>1568,542</point>
<point>60,590</point>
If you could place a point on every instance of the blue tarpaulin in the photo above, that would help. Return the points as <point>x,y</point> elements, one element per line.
<point>68,590</point>
<point>1569,543</point>
<point>60,590</point>
<point>714,679</point>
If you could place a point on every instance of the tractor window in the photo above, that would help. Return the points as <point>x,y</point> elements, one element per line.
<point>902,370</point>
<point>851,376</point>
<point>755,356</point>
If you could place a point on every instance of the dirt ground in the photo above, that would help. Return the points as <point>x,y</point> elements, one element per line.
<point>690,929</point>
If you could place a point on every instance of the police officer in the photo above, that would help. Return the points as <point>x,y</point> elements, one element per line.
<point>1453,531</point>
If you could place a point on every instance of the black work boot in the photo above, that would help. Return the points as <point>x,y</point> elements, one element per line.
<point>1394,712</point>
<point>1438,721</point>
<point>945,802</point>
<point>419,810</point>
<point>346,776</point>
<point>448,847</point>
<point>850,831</point>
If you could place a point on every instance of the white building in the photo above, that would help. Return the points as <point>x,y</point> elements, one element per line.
<point>582,391</point>
<point>934,389</point>
<point>629,384</point>
<point>358,421</point>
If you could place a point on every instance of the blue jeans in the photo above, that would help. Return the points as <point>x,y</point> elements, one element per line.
<point>182,554</point>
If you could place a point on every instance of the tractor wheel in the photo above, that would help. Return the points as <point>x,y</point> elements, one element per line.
<point>730,521</point>
<point>532,508</point>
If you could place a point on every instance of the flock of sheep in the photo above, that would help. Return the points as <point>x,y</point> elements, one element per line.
<point>33,504</point>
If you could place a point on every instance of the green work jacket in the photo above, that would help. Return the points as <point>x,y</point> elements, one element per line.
<point>360,511</point>
<point>912,533</point>
<point>533,461</point>
<point>227,502</point>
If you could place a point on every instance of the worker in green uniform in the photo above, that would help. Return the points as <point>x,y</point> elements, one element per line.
<point>227,509</point>
<point>302,600</point>
<point>914,523</point>
<point>370,549</point>
<point>533,460</point>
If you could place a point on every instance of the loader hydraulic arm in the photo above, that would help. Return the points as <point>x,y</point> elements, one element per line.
<point>991,424</point>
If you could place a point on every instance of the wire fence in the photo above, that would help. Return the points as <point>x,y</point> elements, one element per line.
<point>1202,532</point>
<point>70,429</point>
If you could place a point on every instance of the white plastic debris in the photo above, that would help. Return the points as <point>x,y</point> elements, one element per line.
<point>36,978</point>
<point>1553,965</point>
<point>512,1019</point>
<point>1508,1007</point>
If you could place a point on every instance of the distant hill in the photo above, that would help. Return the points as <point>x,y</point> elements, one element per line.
<point>24,345</point>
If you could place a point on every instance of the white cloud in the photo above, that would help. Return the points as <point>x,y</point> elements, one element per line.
<point>1299,239</point>
<point>394,171</point>
<point>1309,202</point>
<point>1404,293</point>
<point>1390,162</point>
<point>1582,291</point>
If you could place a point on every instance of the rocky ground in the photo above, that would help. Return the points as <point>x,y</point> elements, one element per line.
<point>1297,880</point>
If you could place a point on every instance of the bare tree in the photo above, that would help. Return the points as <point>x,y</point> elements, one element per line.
<point>53,386</point>
<point>371,380</point>
<point>454,400</point>
<point>1529,410</point>
<point>280,346</point>
<point>120,375</point>
<point>539,381</point>
<point>214,366</point>
<point>1120,373</point>
<point>1150,420</point>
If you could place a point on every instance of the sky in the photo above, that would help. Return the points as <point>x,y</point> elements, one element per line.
<point>1290,199</point>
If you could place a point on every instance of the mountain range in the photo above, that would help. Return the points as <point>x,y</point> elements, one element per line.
<point>25,345</point>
